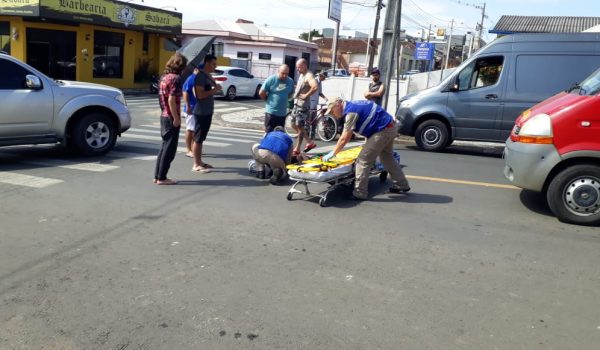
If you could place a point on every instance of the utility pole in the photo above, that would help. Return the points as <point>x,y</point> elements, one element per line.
<point>445,66</point>
<point>374,46</point>
<point>335,42</point>
<point>391,32</point>
<point>481,26</point>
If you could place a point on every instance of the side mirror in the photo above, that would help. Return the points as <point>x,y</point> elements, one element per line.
<point>251,76</point>
<point>454,85</point>
<point>32,82</point>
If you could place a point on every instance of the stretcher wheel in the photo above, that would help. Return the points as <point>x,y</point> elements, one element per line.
<point>289,196</point>
<point>383,176</point>
<point>322,202</point>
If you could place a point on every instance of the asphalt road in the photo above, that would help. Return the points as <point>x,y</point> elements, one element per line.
<point>94,256</point>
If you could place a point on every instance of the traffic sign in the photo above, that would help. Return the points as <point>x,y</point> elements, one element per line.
<point>424,51</point>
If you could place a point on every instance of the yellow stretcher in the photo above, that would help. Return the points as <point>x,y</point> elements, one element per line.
<point>338,171</point>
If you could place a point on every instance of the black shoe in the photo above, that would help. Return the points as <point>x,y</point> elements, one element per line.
<point>397,189</point>
<point>354,197</point>
<point>260,174</point>
<point>277,176</point>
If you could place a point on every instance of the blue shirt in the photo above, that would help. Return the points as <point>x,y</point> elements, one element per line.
<point>371,117</point>
<point>188,87</point>
<point>277,142</point>
<point>277,94</point>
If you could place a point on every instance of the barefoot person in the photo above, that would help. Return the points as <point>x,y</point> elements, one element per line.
<point>169,97</point>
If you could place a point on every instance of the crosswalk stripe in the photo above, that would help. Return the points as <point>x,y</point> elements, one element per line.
<point>130,155</point>
<point>157,139</point>
<point>93,167</point>
<point>210,135</point>
<point>230,109</point>
<point>18,179</point>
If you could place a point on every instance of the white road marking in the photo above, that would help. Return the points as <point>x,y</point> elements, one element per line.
<point>129,155</point>
<point>27,180</point>
<point>157,140</point>
<point>230,109</point>
<point>93,167</point>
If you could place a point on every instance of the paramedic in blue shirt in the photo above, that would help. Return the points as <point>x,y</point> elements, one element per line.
<point>189,101</point>
<point>276,91</point>
<point>379,128</point>
<point>274,149</point>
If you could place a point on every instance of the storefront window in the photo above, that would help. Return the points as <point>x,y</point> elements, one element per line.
<point>108,54</point>
<point>5,37</point>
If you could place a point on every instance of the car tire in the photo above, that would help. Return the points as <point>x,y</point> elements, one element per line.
<point>92,135</point>
<point>574,195</point>
<point>257,92</point>
<point>231,93</point>
<point>432,135</point>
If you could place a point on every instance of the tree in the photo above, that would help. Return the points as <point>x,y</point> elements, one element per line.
<point>313,34</point>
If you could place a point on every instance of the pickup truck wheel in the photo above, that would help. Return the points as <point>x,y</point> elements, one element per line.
<point>432,135</point>
<point>94,134</point>
<point>574,195</point>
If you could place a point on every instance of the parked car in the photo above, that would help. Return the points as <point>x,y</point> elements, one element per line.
<point>107,66</point>
<point>39,110</point>
<point>482,98</point>
<point>338,73</point>
<point>236,82</point>
<point>554,147</point>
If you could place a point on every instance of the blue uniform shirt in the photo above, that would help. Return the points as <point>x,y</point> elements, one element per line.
<point>371,117</point>
<point>277,142</point>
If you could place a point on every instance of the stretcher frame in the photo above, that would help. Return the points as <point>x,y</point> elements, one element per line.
<point>334,182</point>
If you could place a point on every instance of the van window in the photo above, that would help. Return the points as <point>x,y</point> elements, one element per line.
<point>550,74</point>
<point>482,72</point>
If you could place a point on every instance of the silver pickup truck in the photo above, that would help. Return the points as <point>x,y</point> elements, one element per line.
<point>35,109</point>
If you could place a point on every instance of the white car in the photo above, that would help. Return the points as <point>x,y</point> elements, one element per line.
<point>236,82</point>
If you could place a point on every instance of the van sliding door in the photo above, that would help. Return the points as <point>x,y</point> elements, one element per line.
<point>477,103</point>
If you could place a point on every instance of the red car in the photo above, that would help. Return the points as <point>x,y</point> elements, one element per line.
<point>554,148</point>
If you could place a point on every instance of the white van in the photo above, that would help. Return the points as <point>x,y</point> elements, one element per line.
<point>482,98</point>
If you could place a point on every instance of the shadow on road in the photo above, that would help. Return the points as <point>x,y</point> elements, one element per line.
<point>536,202</point>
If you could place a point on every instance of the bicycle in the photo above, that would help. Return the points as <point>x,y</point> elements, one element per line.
<point>319,124</point>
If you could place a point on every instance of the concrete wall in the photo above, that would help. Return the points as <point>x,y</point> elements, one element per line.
<point>353,88</point>
<point>422,81</point>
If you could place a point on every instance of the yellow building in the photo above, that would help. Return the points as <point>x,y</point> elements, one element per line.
<point>102,41</point>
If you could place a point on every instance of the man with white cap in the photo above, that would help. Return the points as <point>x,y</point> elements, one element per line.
<point>379,128</point>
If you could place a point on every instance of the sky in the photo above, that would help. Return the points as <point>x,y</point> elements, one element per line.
<point>296,16</point>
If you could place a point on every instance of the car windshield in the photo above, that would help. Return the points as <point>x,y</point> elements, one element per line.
<point>590,86</point>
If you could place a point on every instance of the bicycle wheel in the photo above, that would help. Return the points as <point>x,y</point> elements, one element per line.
<point>327,128</point>
<point>288,127</point>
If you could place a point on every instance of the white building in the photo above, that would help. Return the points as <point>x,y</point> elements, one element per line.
<point>259,49</point>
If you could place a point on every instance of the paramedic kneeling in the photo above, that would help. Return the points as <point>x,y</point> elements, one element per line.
<point>373,122</point>
<point>274,149</point>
